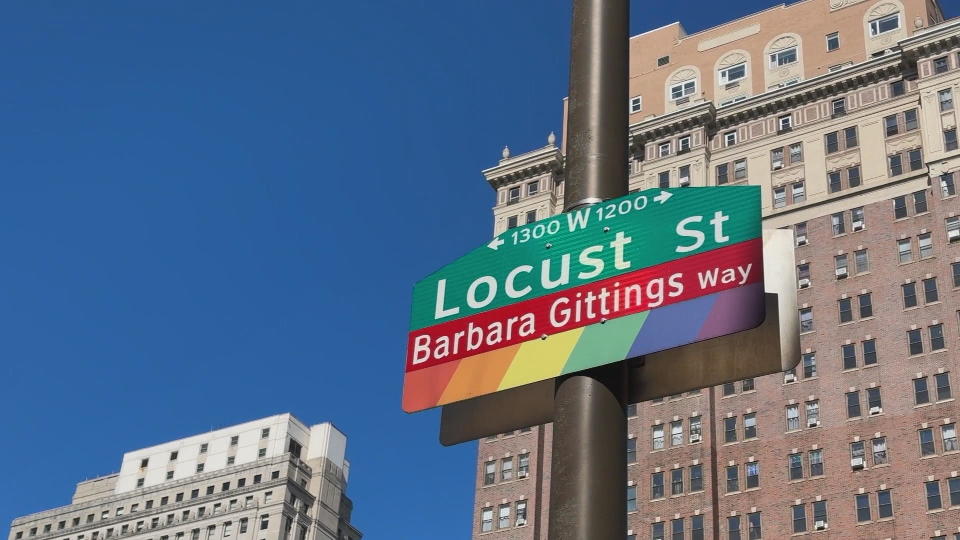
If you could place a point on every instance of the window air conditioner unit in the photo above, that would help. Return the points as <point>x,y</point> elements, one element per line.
<point>856,463</point>
<point>777,165</point>
<point>802,240</point>
<point>841,272</point>
<point>813,422</point>
<point>789,378</point>
<point>684,181</point>
<point>953,235</point>
<point>695,438</point>
<point>682,101</point>
<point>858,225</point>
<point>875,410</point>
<point>731,86</point>
<point>521,522</point>
<point>522,475</point>
<point>804,283</point>
<point>820,525</point>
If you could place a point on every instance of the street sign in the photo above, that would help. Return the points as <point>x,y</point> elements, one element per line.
<point>650,271</point>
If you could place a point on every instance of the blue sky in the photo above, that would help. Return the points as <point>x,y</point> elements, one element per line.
<point>215,211</point>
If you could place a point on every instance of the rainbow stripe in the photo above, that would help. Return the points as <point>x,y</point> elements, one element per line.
<point>573,350</point>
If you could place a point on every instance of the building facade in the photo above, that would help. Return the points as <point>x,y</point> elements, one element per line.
<point>269,479</point>
<point>843,112</point>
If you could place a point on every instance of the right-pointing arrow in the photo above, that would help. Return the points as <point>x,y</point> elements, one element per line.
<point>662,197</point>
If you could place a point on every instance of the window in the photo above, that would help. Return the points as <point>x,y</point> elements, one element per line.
<point>656,531</point>
<point>658,441</point>
<point>921,394</point>
<point>837,224</point>
<point>853,404</point>
<point>945,98</point>
<point>816,462</point>
<point>879,450</point>
<point>795,466</point>
<point>950,139</point>
<point>784,57</point>
<point>948,187</point>
<point>884,504</point>
<point>531,216</point>
<point>753,475</point>
<point>733,73</point>
<point>662,61</point>
<point>754,530</point>
<point>895,163</point>
<point>696,527</point>
<point>897,88</point>
<point>722,176</point>
<point>676,528</point>
<point>885,24</point>
<point>730,429</point>
<point>834,181</point>
<point>813,413</point>
<point>793,417</point>
<point>199,467</point>
<point>203,448</point>
<point>696,478</point>
<point>940,65</point>
<point>489,473</point>
<point>848,353</point>
<point>733,527</point>
<point>749,425</point>
<point>683,89</point>
<point>169,475</point>
<point>890,125</point>
<point>954,487</point>
<point>833,41</point>
<point>809,365</point>
<point>846,309</point>
<point>799,518</point>
<point>936,337</point>
<point>930,293</point>
<point>503,516</point>
<point>857,459</point>
<point>865,303</point>
<point>261,452</point>
<point>820,513</point>
<point>949,434</point>
<point>933,495</point>
<point>663,149</point>
<point>800,232</point>
<point>740,169</point>
<point>676,433</point>
<point>832,142</point>
<point>683,143</point>
<point>513,222</point>
<point>909,291</point>
<point>943,386</point>
<point>904,250</point>
<point>695,429</point>
<point>663,179</point>
<point>513,196</point>
<point>730,138</point>
<point>656,485</point>
<point>863,508</point>
<point>926,442</point>
<point>636,104</point>
<point>733,478</point>
<point>521,512</point>
<point>919,202</point>
<point>486,520</point>
<point>265,521</point>
<point>915,159</point>
<point>779,197</point>
<point>676,482</point>
<point>861,259</point>
<point>838,107</point>
<point>873,400</point>
<point>806,319</point>
<point>506,469</point>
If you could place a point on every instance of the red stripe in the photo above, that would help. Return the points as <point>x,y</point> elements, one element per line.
<point>740,254</point>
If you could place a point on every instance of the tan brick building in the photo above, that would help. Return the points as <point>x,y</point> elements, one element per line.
<point>843,111</point>
<point>269,479</point>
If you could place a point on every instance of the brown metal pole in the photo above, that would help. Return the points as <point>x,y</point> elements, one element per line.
<point>588,484</point>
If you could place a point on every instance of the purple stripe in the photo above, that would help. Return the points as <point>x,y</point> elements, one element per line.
<point>672,326</point>
<point>728,314</point>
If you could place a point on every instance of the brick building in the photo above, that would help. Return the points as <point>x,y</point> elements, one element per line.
<point>843,112</point>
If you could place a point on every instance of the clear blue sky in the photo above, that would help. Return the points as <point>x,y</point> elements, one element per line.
<point>214,211</point>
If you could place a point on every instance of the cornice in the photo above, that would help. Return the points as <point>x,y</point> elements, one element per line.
<point>933,40</point>
<point>528,165</point>
<point>674,122</point>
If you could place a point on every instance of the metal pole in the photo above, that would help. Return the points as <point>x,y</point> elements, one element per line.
<point>588,484</point>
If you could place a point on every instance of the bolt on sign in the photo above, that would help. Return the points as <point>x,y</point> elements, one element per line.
<point>650,271</point>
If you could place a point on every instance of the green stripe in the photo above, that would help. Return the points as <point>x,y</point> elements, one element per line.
<point>611,339</point>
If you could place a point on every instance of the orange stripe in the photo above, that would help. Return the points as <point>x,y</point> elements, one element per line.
<point>479,374</point>
<point>422,389</point>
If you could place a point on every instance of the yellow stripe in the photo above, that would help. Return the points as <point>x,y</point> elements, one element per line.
<point>540,359</point>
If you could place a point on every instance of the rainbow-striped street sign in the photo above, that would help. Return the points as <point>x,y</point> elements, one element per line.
<point>631,276</point>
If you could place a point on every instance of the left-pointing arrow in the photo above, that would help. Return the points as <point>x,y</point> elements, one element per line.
<point>497,242</point>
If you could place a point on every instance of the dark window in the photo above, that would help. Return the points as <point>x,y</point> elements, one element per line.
<point>722,174</point>
<point>696,527</point>
<point>921,394</point>
<point>729,388</point>
<point>909,291</point>
<point>799,518</point>
<point>656,531</point>
<point>656,486</point>
<point>809,365</point>
<point>910,120</point>
<point>676,528</point>
<point>816,462</point>
<point>631,450</point>
<point>873,399</point>
<point>926,442</point>
<point>936,337</point>
<point>696,478</point>
<point>754,532</point>
<point>884,504</point>
<point>730,429</point>
<point>820,511</point>
<point>795,466</point>
<point>916,159</point>
<point>943,386</point>
<point>832,142</point>
<point>869,352</point>
<point>900,207</point>
<point>930,293</point>
<point>914,342</point>
<point>866,305</point>
<point>753,475</point>
<point>896,164</point>
<point>954,486</point>
<point>933,495</point>
<point>733,478</point>
<point>897,88</point>
<point>850,137</point>
<point>890,125</point>
<point>846,309</point>
<point>853,404</point>
<point>863,507</point>
<point>950,139</point>
<point>940,65</point>
<point>676,482</point>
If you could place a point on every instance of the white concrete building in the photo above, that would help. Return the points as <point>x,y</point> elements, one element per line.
<point>269,479</point>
